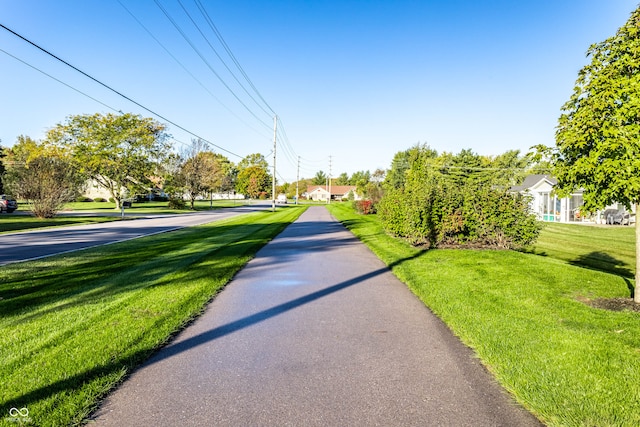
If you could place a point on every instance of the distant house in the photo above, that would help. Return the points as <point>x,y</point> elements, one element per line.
<point>338,192</point>
<point>547,206</point>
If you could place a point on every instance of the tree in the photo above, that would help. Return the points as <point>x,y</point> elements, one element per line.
<point>342,179</point>
<point>253,177</point>
<point>598,134</point>
<point>360,178</point>
<point>199,173</point>
<point>42,175</point>
<point>3,154</point>
<point>320,178</point>
<point>119,152</point>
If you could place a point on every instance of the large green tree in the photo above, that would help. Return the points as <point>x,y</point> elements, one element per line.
<point>120,152</point>
<point>253,177</point>
<point>598,134</point>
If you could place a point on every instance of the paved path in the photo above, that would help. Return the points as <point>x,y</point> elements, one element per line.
<point>315,331</point>
<point>40,243</point>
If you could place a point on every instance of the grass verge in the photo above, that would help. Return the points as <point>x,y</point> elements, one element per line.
<point>154,207</point>
<point>525,317</point>
<point>74,325</point>
<point>12,223</point>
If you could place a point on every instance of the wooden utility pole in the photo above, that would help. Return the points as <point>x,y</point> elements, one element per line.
<point>273,180</point>
<point>298,181</point>
<point>329,200</point>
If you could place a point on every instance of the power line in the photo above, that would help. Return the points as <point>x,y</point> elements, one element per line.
<point>61,82</point>
<point>230,53</point>
<point>195,24</point>
<point>115,91</point>
<point>186,69</point>
<point>188,40</point>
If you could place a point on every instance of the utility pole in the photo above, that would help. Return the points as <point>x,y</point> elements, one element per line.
<point>273,180</point>
<point>297,180</point>
<point>329,200</point>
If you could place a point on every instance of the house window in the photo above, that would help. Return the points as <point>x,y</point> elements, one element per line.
<point>550,207</point>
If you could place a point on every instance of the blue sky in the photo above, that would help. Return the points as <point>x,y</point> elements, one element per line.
<point>352,82</point>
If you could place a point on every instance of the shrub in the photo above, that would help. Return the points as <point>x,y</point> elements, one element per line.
<point>84,199</point>
<point>100,199</point>
<point>176,203</point>
<point>365,207</point>
<point>441,214</point>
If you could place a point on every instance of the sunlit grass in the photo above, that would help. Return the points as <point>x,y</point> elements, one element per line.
<point>525,316</point>
<point>11,223</point>
<point>601,247</point>
<point>73,326</point>
<point>94,212</point>
<point>152,207</point>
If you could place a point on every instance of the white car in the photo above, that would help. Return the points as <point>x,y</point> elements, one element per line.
<point>281,199</point>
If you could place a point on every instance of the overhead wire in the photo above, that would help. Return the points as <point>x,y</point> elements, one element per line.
<point>224,44</point>
<point>207,63</point>
<point>116,91</point>
<point>61,82</point>
<point>206,39</point>
<point>177,61</point>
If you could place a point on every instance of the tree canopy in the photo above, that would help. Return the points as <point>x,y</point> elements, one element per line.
<point>43,175</point>
<point>253,177</point>
<point>119,152</point>
<point>598,134</point>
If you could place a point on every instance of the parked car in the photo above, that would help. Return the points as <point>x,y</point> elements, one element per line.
<point>282,198</point>
<point>7,204</point>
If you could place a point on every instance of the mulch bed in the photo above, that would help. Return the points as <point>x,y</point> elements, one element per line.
<point>614,304</point>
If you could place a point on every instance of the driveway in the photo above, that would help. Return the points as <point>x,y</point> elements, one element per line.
<point>35,244</point>
<point>314,331</point>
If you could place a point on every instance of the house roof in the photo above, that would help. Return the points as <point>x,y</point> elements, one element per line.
<point>336,190</point>
<point>533,180</point>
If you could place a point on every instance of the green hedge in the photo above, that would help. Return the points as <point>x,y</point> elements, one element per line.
<point>433,211</point>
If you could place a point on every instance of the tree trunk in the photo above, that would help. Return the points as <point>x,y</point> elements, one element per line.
<point>636,291</point>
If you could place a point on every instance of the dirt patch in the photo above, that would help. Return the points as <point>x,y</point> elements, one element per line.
<point>614,304</point>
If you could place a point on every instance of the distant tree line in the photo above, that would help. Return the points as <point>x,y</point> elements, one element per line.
<point>125,154</point>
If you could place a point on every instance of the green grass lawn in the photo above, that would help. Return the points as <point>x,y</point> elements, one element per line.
<point>94,212</point>
<point>526,316</point>
<point>74,325</point>
<point>11,223</point>
<point>152,207</point>
<point>600,247</point>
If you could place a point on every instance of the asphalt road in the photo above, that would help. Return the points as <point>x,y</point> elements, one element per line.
<point>35,244</point>
<point>315,331</point>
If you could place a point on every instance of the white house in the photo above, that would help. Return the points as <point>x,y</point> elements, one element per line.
<point>338,192</point>
<point>547,206</point>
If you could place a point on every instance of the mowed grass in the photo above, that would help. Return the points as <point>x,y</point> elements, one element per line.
<point>78,213</point>
<point>526,317</point>
<point>600,247</point>
<point>152,207</point>
<point>12,223</point>
<point>73,326</point>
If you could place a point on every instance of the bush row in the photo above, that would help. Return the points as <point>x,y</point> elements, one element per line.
<point>431,211</point>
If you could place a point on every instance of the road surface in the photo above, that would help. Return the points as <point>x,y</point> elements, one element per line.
<point>314,331</point>
<point>35,244</point>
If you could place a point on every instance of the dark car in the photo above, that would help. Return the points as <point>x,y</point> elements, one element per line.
<point>7,204</point>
